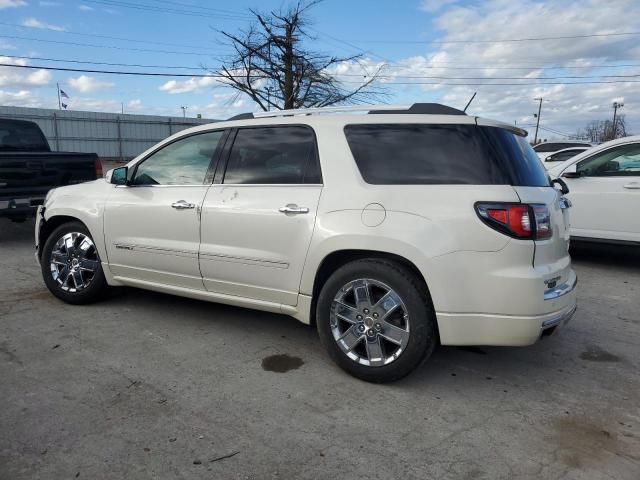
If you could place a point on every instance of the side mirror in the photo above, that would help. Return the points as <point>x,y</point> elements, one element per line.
<point>560,185</point>
<point>571,172</point>
<point>117,176</point>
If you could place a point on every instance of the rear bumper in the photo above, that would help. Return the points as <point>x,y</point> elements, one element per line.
<point>499,330</point>
<point>509,330</point>
<point>20,207</point>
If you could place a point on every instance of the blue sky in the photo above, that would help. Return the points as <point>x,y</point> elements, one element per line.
<point>395,34</point>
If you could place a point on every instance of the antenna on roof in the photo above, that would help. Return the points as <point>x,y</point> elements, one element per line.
<point>469,102</point>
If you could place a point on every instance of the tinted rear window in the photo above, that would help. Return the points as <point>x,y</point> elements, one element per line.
<point>555,146</point>
<point>21,137</point>
<point>421,154</point>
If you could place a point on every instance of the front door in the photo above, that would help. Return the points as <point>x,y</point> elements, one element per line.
<point>257,223</point>
<point>152,225</point>
<point>606,195</point>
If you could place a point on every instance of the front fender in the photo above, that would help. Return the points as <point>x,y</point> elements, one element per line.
<point>84,202</point>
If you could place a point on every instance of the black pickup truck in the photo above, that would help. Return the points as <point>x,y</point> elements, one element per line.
<point>29,169</point>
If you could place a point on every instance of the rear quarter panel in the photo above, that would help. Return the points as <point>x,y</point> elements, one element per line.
<point>421,222</point>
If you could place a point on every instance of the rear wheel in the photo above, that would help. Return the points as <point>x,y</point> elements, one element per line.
<point>375,319</point>
<point>71,265</point>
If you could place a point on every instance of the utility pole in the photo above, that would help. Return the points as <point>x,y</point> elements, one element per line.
<point>58,90</point>
<point>184,112</point>
<point>616,106</point>
<point>535,139</point>
<point>122,107</point>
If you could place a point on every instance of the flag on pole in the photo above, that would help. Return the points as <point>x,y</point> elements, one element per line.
<point>64,105</point>
<point>63,94</point>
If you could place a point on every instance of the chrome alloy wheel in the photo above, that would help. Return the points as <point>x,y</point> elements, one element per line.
<point>369,322</point>
<point>74,261</point>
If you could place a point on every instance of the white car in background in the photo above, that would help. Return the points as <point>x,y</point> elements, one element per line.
<point>562,156</point>
<point>549,148</point>
<point>604,188</point>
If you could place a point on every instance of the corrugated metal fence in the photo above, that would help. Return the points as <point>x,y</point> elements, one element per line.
<point>112,136</point>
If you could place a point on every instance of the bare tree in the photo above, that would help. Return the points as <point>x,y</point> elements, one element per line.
<point>603,130</point>
<point>272,66</point>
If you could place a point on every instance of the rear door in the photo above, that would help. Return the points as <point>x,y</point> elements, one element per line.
<point>257,219</point>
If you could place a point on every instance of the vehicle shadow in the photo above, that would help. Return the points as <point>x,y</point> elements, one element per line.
<point>18,233</point>
<point>620,256</point>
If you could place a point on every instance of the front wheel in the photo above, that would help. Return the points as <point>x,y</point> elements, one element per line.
<point>71,266</point>
<point>375,319</point>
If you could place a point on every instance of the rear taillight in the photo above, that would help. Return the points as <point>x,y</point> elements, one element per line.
<point>98,167</point>
<point>518,220</point>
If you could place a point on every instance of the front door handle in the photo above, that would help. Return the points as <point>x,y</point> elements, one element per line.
<point>293,209</point>
<point>633,186</point>
<point>183,205</point>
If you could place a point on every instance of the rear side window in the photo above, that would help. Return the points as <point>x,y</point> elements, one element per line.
<point>422,154</point>
<point>273,155</point>
<point>17,136</point>
<point>555,146</point>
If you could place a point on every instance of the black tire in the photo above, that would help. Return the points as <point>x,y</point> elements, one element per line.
<point>96,285</point>
<point>422,334</point>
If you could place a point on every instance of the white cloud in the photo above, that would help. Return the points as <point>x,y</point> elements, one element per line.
<point>86,8</point>
<point>35,23</point>
<point>19,77</point>
<point>12,3</point>
<point>567,107</point>
<point>192,85</point>
<point>86,84</point>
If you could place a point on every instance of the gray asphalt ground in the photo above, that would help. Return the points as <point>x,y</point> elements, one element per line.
<point>144,385</point>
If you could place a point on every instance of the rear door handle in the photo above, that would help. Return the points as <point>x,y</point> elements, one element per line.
<point>183,205</point>
<point>633,186</point>
<point>293,209</point>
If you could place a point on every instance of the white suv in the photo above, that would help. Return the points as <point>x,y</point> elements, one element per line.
<point>391,231</point>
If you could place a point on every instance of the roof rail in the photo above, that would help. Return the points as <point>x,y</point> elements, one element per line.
<point>423,109</point>
<point>313,111</point>
<point>415,109</point>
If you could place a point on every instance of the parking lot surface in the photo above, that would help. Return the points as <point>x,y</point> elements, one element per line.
<point>144,385</point>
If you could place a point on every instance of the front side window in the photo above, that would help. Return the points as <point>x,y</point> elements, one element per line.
<point>616,162</point>
<point>183,162</point>
<point>273,155</point>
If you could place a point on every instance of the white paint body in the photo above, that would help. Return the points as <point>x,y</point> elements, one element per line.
<point>604,208</point>
<point>486,288</point>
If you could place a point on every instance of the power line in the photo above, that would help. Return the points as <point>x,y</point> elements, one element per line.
<point>503,40</point>
<point>184,67</point>
<point>62,42</point>
<point>120,72</point>
<point>171,74</point>
<point>108,37</point>
<point>190,5</point>
<point>174,11</point>
<point>62,60</point>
